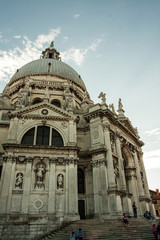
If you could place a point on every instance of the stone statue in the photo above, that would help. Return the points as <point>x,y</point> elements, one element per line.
<point>19,181</point>
<point>40,172</point>
<point>103,97</point>
<point>120,106</point>
<point>60,181</point>
<point>111,106</point>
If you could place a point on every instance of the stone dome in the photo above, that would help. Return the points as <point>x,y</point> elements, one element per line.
<point>49,66</point>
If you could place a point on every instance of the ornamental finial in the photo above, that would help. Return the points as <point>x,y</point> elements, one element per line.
<point>52,44</point>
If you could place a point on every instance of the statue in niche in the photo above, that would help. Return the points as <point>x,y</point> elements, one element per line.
<point>40,173</point>
<point>103,97</point>
<point>60,181</point>
<point>19,180</point>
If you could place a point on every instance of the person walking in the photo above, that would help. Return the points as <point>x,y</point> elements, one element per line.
<point>134,209</point>
<point>154,230</point>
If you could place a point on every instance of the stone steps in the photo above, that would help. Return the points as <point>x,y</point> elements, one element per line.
<point>139,229</point>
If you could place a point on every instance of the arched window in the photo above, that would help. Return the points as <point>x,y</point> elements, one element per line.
<point>36,101</point>
<point>28,138</point>
<point>56,103</point>
<point>57,140</point>
<point>81,181</point>
<point>43,135</point>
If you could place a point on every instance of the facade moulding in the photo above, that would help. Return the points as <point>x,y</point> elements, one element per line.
<point>21,148</point>
<point>46,74</point>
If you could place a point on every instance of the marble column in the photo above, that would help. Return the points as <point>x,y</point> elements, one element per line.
<point>138,173</point>
<point>96,187</point>
<point>5,187</point>
<point>120,164</point>
<point>146,188</point>
<point>26,186</point>
<point>104,187</point>
<point>67,190</point>
<point>110,167</point>
<point>9,200</point>
<point>52,187</point>
<point>73,193</point>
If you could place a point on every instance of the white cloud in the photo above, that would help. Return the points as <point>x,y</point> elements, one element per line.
<point>17,36</point>
<point>65,38</point>
<point>152,159</point>
<point>78,55</point>
<point>152,132</point>
<point>15,58</point>
<point>76,15</point>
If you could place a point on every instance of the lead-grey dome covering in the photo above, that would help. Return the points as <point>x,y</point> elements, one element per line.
<point>49,66</point>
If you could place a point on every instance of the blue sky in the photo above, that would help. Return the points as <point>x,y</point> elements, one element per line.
<point>113,45</point>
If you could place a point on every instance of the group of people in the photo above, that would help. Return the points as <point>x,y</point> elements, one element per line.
<point>78,236</point>
<point>156,231</point>
<point>149,216</point>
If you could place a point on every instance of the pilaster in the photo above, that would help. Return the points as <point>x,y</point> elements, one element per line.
<point>26,187</point>
<point>52,187</point>
<point>120,163</point>
<point>110,167</point>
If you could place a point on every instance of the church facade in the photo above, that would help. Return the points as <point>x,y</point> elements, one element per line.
<point>64,158</point>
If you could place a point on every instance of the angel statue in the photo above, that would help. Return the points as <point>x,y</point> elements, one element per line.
<point>103,97</point>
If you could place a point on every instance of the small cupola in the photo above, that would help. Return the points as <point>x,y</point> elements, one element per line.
<point>51,52</point>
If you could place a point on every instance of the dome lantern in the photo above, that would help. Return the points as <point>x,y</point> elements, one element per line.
<point>51,52</point>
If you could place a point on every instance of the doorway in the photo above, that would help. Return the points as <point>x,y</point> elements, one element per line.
<point>81,208</point>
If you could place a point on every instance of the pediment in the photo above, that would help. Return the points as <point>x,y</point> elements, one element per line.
<point>42,110</point>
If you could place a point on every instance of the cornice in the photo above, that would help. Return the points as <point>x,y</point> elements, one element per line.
<point>36,147</point>
<point>114,120</point>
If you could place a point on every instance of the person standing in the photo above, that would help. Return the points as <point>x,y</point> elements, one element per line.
<point>134,209</point>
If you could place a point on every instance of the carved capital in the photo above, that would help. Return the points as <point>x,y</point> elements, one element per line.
<point>106,126</point>
<point>98,163</point>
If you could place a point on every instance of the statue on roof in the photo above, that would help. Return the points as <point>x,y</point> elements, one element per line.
<point>120,105</point>
<point>103,97</point>
<point>52,44</point>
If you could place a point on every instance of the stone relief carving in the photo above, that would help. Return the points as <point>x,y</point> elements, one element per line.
<point>131,175</point>
<point>19,181</point>
<point>64,125</point>
<point>113,143</point>
<point>38,204</point>
<point>40,174</point>
<point>60,181</point>
<point>116,168</point>
<point>142,178</point>
<point>95,135</point>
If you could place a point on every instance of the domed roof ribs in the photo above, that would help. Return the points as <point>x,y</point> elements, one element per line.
<point>51,52</point>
